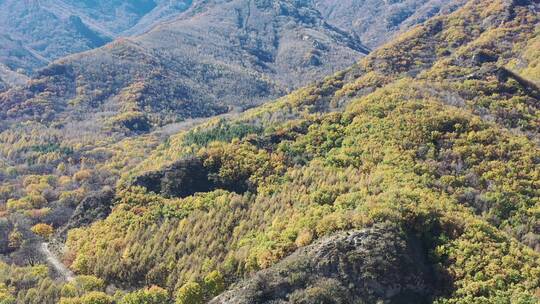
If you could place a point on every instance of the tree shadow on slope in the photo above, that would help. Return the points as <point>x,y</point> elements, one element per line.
<point>187,177</point>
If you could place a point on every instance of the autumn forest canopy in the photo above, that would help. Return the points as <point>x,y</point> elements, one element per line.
<point>270,151</point>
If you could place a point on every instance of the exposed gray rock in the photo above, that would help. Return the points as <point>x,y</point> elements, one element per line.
<point>93,207</point>
<point>181,179</point>
<point>376,265</point>
<point>187,177</point>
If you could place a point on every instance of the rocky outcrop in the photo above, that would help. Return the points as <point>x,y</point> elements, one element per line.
<point>187,177</point>
<point>376,265</point>
<point>96,206</point>
<point>181,179</point>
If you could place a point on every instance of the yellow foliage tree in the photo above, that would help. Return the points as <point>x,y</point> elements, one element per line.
<point>43,230</point>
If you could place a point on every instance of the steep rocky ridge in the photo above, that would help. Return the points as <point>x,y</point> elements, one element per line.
<point>375,265</point>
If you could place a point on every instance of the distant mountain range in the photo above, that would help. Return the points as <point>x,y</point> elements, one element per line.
<point>193,59</point>
<point>39,31</point>
<point>212,57</point>
<point>375,21</point>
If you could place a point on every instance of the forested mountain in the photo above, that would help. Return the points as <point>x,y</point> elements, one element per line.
<point>120,17</point>
<point>35,32</point>
<point>236,53</point>
<point>376,22</point>
<point>411,176</point>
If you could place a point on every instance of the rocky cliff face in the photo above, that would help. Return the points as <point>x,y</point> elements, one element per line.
<point>95,206</point>
<point>376,265</point>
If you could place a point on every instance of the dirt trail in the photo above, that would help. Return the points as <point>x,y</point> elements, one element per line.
<point>58,266</point>
<point>174,128</point>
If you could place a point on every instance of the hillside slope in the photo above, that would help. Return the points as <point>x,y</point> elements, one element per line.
<point>436,133</point>
<point>33,29</point>
<point>41,31</point>
<point>377,22</point>
<point>420,133</point>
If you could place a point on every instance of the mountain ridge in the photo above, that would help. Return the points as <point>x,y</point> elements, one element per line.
<point>52,29</point>
<point>202,71</point>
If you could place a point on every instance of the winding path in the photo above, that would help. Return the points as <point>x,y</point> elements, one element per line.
<point>53,261</point>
